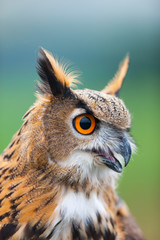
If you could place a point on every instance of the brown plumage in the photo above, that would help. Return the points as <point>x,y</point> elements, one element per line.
<point>58,175</point>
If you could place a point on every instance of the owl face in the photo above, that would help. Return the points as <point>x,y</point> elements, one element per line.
<point>88,137</point>
<point>84,130</point>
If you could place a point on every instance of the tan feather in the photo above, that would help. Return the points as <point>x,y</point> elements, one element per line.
<point>115,84</point>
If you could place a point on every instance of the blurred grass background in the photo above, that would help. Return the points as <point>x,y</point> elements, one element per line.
<point>95,36</point>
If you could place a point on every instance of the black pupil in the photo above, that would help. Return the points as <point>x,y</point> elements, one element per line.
<point>85,123</point>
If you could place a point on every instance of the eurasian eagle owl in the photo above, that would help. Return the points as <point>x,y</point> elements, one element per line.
<point>58,175</point>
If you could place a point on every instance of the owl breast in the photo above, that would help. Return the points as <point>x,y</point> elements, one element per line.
<point>81,216</point>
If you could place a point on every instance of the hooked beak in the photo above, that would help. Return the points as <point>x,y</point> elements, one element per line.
<point>110,158</point>
<point>125,150</point>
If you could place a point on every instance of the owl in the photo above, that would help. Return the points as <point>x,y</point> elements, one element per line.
<point>59,174</point>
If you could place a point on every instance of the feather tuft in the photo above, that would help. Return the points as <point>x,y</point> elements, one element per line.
<point>115,84</point>
<point>56,79</point>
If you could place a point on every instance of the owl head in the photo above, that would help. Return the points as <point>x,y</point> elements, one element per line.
<point>81,131</point>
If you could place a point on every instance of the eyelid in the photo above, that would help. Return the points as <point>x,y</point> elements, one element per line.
<point>78,111</point>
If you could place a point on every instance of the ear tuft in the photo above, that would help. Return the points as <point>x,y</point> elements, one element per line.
<point>54,79</point>
<point>115,84</point>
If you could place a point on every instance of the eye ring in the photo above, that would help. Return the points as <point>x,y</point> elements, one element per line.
<point>85,123</point>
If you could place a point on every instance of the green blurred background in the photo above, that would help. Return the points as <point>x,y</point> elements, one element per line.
<point>94,36</point>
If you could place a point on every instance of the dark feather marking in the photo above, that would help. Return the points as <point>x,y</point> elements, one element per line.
<point>98,217</point>
<point>88,194</point>
<point>25,123</point>
<point>14,169</point>
<point>1,201</point>
<point>75,231</point>
<point>14,206</point>
<point>76,189</point>
<point>1,175</point>
<point>90,230</point>
<point>11,145</point>
<point>27,113</point>
<point>20,130</point>
<point>4,170</point>
<point>45,176</point>
<point>37,230</point>
<point>13,186</point>
<point>6,177</point>
<point>17,198</point>
<point>100,98</point>
<point>100,108</point>
<point>8,156</point>
<point>50,200</point>
<point>13,176</point>
<point>36,175</point>
<point>53,230</point>
<point>7,231</point>
<point>14,214</point>
<point>109,235</point>
<point>33,232</point>
<point>92,97</point>
<point>18,141</point>
<point>45,203</point>
<point>4,215</point>
<point>53,160</point>
<point>84,185</point>
<point>112,222</point>
<point>9,194</point>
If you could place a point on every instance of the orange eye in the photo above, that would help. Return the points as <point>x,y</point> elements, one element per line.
<point>85,123</point>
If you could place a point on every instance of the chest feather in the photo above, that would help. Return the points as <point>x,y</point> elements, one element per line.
<point>82,217</point>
